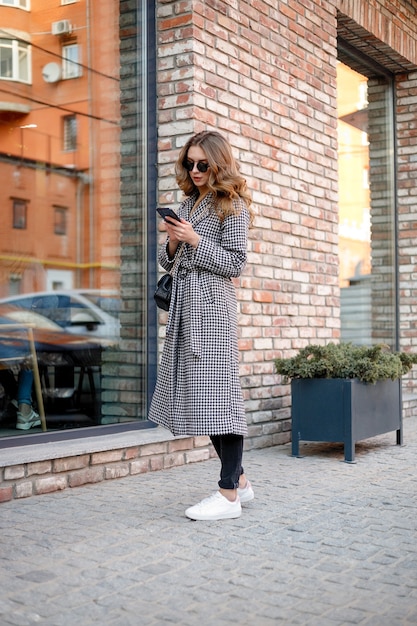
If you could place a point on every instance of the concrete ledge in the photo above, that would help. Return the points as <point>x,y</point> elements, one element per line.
<point>84,445</point>
<point>37,469</point>
<point>48,466</point>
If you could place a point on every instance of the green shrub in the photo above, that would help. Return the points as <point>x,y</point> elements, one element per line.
<point>344,360</point>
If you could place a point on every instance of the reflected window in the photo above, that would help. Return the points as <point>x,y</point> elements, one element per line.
<point>354,199</point>
<point>14,60</point>
<point>19,213</point>
<point>60,220</point>
<point>366,206</point>
<point>68,1</point>
<point>71,59</point>
<point>70,133</point>
<point>80,312</point>
<point>15,281</point>
<point>19,4</point>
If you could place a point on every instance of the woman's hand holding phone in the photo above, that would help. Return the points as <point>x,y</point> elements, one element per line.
<point>165,212</point>
<point>186,233</point>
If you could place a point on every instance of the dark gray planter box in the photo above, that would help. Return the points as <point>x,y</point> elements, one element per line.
<point>343,410</point>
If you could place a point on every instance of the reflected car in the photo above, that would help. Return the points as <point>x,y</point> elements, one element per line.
<point>68,362</point>
<point>90,312</point>
<point>52,342</point>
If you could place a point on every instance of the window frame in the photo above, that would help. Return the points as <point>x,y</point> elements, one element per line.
<point>363,64</point>
<point>19,221</point>
<point>71,67</point>
<point>60,220</point>
<point>17,4</point>
<point>17,47</point>
<point>69,134</point>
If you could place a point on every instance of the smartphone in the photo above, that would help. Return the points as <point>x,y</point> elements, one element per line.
<point>163,212</point>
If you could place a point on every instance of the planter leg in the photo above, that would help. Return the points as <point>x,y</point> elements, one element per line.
<point>400,437</point>
<point>349,449</point>
<point>295,444</point>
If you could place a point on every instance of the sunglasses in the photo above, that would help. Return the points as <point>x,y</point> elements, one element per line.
<point>201,166</point>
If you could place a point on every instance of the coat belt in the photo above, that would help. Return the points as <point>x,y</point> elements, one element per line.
<point>195,305</point>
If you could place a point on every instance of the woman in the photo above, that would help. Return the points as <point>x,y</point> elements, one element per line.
<point>198,387</point>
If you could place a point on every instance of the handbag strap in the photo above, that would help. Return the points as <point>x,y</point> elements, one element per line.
<point>177,258</point>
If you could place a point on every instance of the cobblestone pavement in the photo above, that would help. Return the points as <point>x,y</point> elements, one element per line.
<point>323,543</point>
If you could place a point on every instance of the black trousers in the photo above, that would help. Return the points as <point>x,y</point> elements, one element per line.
<point>230,451</point>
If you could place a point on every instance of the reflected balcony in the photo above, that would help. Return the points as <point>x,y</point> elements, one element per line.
<point>13,108</point>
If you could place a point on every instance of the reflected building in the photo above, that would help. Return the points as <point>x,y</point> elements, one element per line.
<point>59,139</point>
<point>60,191</point>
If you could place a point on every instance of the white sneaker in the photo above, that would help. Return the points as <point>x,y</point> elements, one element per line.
<point>25,422</point>
<point>245,493</point>
<point>215,507</point>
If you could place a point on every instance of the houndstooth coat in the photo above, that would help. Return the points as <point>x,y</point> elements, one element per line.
<point>198,388</point>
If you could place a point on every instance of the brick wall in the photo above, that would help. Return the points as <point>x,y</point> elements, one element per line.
<point>391,23</point>
<point>382,193</point>
<point>265,76</point>
<point>45,475</point>
<point>407,215</point>
<point>124,370</point>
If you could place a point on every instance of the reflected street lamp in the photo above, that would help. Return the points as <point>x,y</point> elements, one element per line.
<point>21,137</point>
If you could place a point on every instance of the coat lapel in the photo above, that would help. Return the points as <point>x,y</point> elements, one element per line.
<point>202,210</point>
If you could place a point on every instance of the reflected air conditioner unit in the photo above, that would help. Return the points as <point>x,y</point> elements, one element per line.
<point>63,27</point>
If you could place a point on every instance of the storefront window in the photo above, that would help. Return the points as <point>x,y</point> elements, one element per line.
<point>73,249</point>
<point>366,206</point>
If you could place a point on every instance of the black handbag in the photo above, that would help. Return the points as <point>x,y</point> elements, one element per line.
<point>163,289</point>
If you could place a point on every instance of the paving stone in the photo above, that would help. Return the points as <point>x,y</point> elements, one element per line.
<point>324,542</point>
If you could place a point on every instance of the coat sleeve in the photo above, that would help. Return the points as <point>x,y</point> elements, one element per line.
<point>227,258</point>
<point>164,259</point>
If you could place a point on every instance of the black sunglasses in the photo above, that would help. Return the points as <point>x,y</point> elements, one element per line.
<point>201,166</point>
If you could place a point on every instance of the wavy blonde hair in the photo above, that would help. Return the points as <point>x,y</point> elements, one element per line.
<point>225,181</point>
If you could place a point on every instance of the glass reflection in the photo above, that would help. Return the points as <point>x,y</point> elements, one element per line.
<point>60,199</point>
<point>366,208</point>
